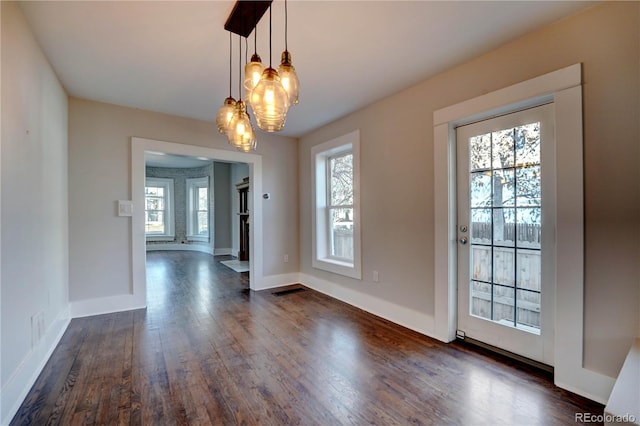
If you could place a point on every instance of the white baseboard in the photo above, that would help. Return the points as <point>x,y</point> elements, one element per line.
<point>180,247</point>
<point>409,318</point>
<point>599,393</point>
<point>273,281</point>
<point>222,251</point>
<point>17,387</point>
<point>105,305</point>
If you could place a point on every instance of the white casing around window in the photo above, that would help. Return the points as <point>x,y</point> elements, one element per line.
<point>193,184</point>
<point>320,155</point>
<point>169,218</point>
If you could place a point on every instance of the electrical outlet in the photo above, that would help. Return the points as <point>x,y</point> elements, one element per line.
<point>37,328</point>
<point>376,276</point>
<point>286,258</point>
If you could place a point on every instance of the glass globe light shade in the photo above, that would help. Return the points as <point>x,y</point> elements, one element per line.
<point>252,73</point>
<point>270,102</point>
<point>240,132</point>
<point>248,147</point>
<point>224,114</point>
<point>289,78</point>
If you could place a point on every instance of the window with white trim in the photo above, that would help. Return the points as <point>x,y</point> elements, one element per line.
<point>336,215</point>
<point>198,209</point>
<point>158,211</point>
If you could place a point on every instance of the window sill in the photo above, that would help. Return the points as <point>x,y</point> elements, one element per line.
<point>197,238</point>
<point>160,237</point>
<point>338,267</point>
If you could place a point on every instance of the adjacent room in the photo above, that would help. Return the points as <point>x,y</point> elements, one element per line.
<point>312,212</point>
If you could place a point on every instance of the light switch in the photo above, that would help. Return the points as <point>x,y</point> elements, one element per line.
<point>125,208</point>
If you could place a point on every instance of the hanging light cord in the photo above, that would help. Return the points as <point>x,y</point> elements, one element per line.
<point>269,35</point>
<point>246,50</point>
<point>230,70</point>
<point>239,69</point>
<point>286,23</point>
<point>255,31</point>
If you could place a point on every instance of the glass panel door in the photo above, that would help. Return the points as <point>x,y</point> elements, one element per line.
<point>500,227</point>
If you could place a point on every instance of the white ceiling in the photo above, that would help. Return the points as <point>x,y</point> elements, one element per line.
<point>172,56</point>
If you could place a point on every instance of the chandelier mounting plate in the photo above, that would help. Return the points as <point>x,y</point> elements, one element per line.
<point>245,16</point>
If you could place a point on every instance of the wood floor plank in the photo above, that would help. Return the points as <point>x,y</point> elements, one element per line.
<point>206,351</point>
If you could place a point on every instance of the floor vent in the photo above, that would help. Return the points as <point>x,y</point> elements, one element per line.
<point>290,291</point>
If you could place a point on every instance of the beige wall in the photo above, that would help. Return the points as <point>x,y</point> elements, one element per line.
<point>100,173</point>
<point>397,171</point>
<point>34,262</point>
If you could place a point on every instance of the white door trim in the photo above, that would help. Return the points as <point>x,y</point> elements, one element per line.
<point>563,87</point>
<point>138,251</point>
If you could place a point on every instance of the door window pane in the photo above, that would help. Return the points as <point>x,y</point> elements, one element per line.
<point>504,227</point>
<point>528,308</point>
<point>502,149</point>
<point>529,227</point>
<point>504,260</point>
<point>481,263</point>
<point>528,186</point>
<point>505,214</point>
<point>528,144</point>
<point>503,188</point>
<point>529,269</point>
<point>480,226</point>
<point>480,152</point>
<point>480,299</point>
<point>480,189</point>
<point>503,304</point>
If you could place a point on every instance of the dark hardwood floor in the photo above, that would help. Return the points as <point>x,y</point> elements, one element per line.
<point>208,351</point>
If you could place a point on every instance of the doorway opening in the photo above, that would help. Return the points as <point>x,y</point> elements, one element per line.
<point>253,167</point>
<point>192,204</point>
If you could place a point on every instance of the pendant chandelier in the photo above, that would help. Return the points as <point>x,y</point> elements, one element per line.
<point>269,92</point>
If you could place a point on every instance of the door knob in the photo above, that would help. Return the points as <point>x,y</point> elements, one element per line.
<point>463,240</point>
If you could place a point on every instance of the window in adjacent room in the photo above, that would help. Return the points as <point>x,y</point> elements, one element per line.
<point>158,211</point>
<point>336,216</point>
<point>198,209</point>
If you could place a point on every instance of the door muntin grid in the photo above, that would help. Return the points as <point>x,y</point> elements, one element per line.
<point>506,229</point>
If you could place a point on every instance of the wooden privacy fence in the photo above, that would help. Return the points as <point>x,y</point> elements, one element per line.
<point>343,243</point>
<point>528,234</point>
<point>505,267</point>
